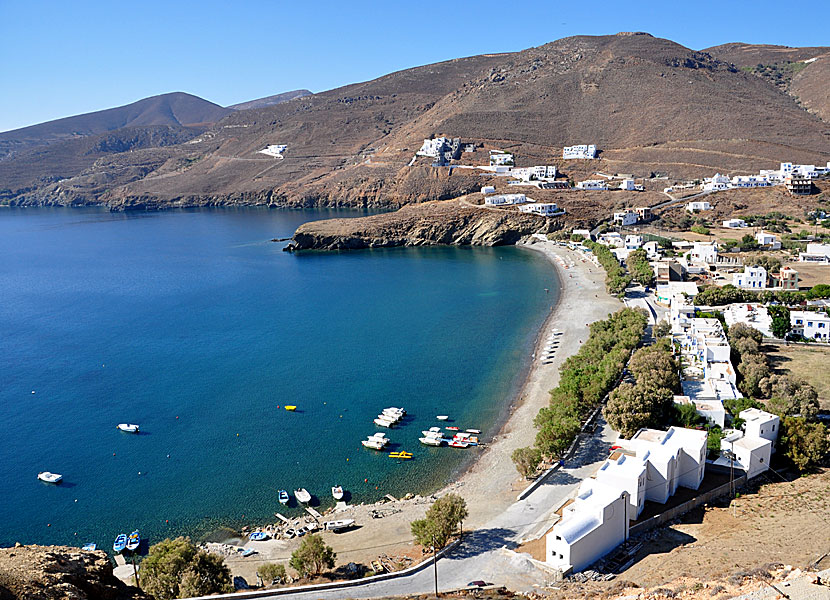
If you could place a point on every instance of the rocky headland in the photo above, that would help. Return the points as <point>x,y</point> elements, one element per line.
<point>449,222</point>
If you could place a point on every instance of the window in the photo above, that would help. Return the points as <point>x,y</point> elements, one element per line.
<point>559,538</point>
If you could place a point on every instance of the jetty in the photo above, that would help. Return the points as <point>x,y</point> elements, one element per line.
<point>313,512</point>
<point>282,518</point>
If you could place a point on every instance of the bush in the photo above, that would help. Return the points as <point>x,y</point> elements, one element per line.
<point>780,320</point>
<point>312,557</point>
<point>440,522</point>
<point>271,572</point>
<point>177,569</point>
<point>526,460</point>
<point>640,268</point>
<point>804,443</point>
<point>702,230</point>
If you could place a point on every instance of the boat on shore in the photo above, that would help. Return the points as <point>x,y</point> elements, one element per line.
<point>302,495</point>
<point>120,543</point>
<point>48,477</point>
<point>337,492</point>
<point>128,427</point>
<point>338,525</point>
<point>258,536</point>
<point>283,497</point>
<point>133,541</point>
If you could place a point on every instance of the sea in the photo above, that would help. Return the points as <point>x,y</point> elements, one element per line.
<point>196,326</point>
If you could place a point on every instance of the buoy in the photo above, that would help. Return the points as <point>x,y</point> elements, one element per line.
<point>237,435</point>
<point>177,416</point>
<point>113,453</point>
<point>167,520</point>
<point>139,472</point>
<point>48,524</point>
<point>347,460</point>
<point>33,391</point>
<point>365,480</point>
<point>76,499</point>
<point>168,456</point>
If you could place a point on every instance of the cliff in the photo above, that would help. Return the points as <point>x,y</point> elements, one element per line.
<point>446,222</point>
<point>52,572</point>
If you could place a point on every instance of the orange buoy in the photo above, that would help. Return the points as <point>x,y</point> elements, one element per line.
<point>365,480</point>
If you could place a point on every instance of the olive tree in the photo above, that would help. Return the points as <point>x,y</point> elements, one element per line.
<point>441,521</point>
<point>312,557</point>
<point>177,569</point>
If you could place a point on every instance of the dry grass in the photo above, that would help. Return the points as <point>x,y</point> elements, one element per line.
<point>809,363</point>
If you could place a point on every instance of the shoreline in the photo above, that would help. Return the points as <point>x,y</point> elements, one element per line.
<point>489,483</point>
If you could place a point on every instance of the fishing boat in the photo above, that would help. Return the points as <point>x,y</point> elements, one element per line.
<point>338,525</point>
<point>458,444</point>
<point>442,417</point>
<point>382,422</point>
<point>133,541</point>
<point>376,441</point>
<point>290,407</point>
<point>395,410</point>
<point>337,492</point>
<point>47,477</point>
<point>474,431</point>
<point>431,440</point>
<point>258,536</point>
<point>283,497</point>
<point>302,495</point>
<point>127,427</point>
<point>120,543</point>
<point>89,547</point>
<point>451,428</point>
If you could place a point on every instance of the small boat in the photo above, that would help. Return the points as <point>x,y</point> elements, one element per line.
<point>394,411</point>
<point>470,439</point>
<point>402,455</point>
<point>431,441</point>
<point>47,477</point>
<point>337,492</point>
<point>120,543</point>
<point>127,427</point>
<point>338,525</point>
<point>290,407</point>
<point>258,536</point>
<point>442,417</point>
<point>133,541</point>
<point>302,495</point>
<point>381,422</point>
<point>377,441</point>
<point>458,444</point>
<point>283,497</point>
<point>89,547</point>
<point>247,552</point>
<point>451,428</point>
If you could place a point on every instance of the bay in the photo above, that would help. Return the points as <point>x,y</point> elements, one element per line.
<point>194,325</point>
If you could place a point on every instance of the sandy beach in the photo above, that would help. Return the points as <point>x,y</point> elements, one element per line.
<point>490,485</point>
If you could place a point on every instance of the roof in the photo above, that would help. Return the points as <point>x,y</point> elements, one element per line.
<point>752,443</point>
<point>756,414</point>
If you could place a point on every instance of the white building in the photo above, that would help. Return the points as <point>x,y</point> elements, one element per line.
<point>811,325</point>
<point>633,242</point>
<point>275,150</point>
<point>626,472</point>
<point>753,278</point>
<point>488,189</point>
<point>585,151</point>
<point>499,158</point>
<point>625,218</point>
<point>543,209</point>
<point>682,289</point>
<point>761,424</point>
<point>816,253</point>
<point>714,184</point>
<point>612,239</point>
<point>711,410</point>
<point>433,147</point>
<point>627,185</point>
<point>652,250</point>
<point>734,223</point>
<point>698,205</point>
<point>750,181</point>
<point>751,314</point>
<point>586,233</point>
<point>751,454</point>
<point>592,184</point>
<point>544,172</point>
<point>767,240</point>
<point>505,199</point>
<point>704,252</point>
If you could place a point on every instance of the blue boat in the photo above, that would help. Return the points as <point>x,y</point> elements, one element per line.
<point>283,496</point>
<point>133,541</point>
<point>89,547</point>
<point>259,536</point>
<point>120,543</point>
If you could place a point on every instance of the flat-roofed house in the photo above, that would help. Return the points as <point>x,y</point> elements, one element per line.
<point>626,472</point>
<point>761,424</point>
<point>811,325</point>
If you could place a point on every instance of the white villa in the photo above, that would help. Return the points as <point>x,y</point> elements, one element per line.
<point>584,151</point>
<point>704,252</point>
<point>698,205</point>
<point>505,199</point>
<point>499,158</point>
<point>750,181</point>
<point>543,209</point>
<point>734,223</point>
<point>752,314</point>
<point>716,183</point>
<point>628,185</point>
<point>811,325</point>
<point>816,253</point>
<point>625,218</point>
<point>752,278</point>
<point>633,242</point>
<point>275,150</point>
<point>767,240</point>
<point>752,447</point>
<point>592,184</point>
<point>761,424</point>
<point>433,147</point>
<point>488,189</point>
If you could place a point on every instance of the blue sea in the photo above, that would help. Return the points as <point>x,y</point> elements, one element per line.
<point>196,326</point>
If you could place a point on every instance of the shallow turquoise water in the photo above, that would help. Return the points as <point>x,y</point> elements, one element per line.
<point>195,326</point>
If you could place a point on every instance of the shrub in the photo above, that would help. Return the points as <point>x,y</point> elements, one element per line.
<point>312,556</point>
<point>804,443</point>
<point>270,572</point>
<point>442,519</point>
<point>177,569</point>
<point>526,460</point>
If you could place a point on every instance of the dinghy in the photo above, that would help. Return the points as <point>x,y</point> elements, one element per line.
<point>120,543</point>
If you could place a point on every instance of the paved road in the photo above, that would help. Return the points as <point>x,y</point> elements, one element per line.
<point>480,556</point>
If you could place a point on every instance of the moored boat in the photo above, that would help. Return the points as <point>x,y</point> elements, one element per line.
<point>89,546</point>
<point>128,427</point>
<point>376,441</point>
<point>337,492</point>
<point>451,428</point>
<point>381,422</point>
<point>283,497</point>
<point>133,541</point>
<point>442,417</point>
<point>458,444</point>
<point>474,431</point>
<point>302,495</point>
<point>431,440</point>
<point>47,477</point>
<point>120,543</point>
<point>290,407</point>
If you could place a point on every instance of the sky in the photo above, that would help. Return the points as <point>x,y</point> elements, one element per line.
<point>60,58</point>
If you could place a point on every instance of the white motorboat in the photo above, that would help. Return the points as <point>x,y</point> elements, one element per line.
<point>128,427</point>
<point>302,495</point>
<point>442,417</point>
<point>431,441</point>
<point>338,525</point>
<point>374,444</point>
<point>396,413</point>
<point>433,432</point>
<point>381,422</point>
<point>48,477</point>
<point>337,492</point>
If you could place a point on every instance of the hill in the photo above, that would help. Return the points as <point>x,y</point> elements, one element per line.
<point>174,109</point>
<point>649,104</point>
<point>270,100</point>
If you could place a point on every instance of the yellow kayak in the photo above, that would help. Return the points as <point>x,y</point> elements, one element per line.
<point>290,407</point>
<point>401,454</point>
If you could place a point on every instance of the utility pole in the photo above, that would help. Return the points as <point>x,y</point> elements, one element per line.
<point>135,573</point>
<point>435,563</point>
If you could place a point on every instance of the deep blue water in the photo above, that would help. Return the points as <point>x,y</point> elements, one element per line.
<point>195,326</point>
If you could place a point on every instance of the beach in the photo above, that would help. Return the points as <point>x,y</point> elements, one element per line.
<point>491,483</point>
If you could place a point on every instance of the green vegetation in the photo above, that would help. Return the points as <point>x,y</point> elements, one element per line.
<point>780,74</point>
<point>271,573</point>
<point>662,329</point>
<point>526,460</point>
<point>443,518</point>
<point>780,320</point>
<point>701,229</point>
<point>752,366</point>
<point>639,267</point>
<point>647,403</point>
<point>713,439</point>
<point>616,279</point>
<point>729,294</point>
<point>312,557</point>
<point>585,379</point>
<point>804,443</point>
<point>177,569</point>
<point>770,263</point>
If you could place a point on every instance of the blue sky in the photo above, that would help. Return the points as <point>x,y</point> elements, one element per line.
<point>60,58</point>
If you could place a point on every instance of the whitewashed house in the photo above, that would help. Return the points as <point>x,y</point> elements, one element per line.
<point>499,158</point>
<point>488,189</point>
<point>734,223</point>
<point>544,172</point>
<point>586,233</point>
<point>583,151</point>
<point>816,253</point>
<point>704,252</point>
<point>752,278</point>
<point>633,242</point>
<point>714,184</point>
<point>275,150</point>
<point>698,205</point>
<point>592,184</point>
<point>665,292</point>
<point>652,250</point>
<point>626,472</point>
<point>543,209</point>
<point>595,523</point>
<point>811,325</point>
<point>750,181</point>
<point>627,185</point>
<point>761,424</point>
<point>433,147</point>
<point>767,241</point>
<point>711,410</point>
<point>505,199</point>
<point>751,454</point>
<point>751,314</point>
<point>625,218</point>
<point>612,239</point>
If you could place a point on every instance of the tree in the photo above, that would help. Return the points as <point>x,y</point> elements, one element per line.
<point>558,425</point>
<point>753,369</point>
<point>177,569</point>
<point>770,263</point>
<point>442,519</point>
<point>662,329</point>
<point>312,556</point>
<point>791,397</point>
<point>632,407</point>
<point>527,460</point>
<point>822,290</point>
<point>686,415</point>
<point>780,320</point>
<point>806,444</point>
<point>270,572</point>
